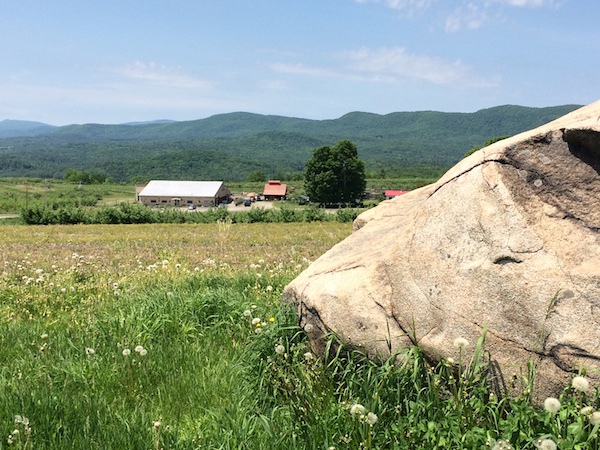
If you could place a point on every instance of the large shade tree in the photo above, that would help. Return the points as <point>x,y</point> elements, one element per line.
<point>335,174</point>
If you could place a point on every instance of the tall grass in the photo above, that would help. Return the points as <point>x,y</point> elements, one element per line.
<point>168,336</point>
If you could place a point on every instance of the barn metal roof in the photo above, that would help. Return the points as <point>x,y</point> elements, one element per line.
<point>165,188</point>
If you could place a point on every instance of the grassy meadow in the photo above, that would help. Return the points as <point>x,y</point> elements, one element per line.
<point>173,336</point>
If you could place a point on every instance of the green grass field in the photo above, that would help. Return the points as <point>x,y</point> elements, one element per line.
<point>175,337</point>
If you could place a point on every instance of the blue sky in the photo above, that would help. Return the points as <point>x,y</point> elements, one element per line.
<point>114,61</point>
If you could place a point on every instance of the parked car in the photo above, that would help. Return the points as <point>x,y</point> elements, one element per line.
<point>247,202</point>
<point>192,207</point>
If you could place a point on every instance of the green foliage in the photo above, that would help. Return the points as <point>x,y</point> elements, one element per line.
<point>257,176</point>
<point>78,176</point>
<point>488,142</point>
<point>230,147</point>
<point>335,175</point>
<point>131,213</point>
<point>133,345</point>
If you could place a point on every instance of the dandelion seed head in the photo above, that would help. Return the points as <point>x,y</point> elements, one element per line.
<point>44,336</point>
<point>358,410</point>
<point>461,343</point>
<point>580,384</point>
<point>372,418</point>
<point>156,424</point>
<point>586,410</point>
<point>309,356</point>
<point>90,351</point>
<point>269,288</point>
<point>143,352</point>
<point>552,404</point>
<point>502,445</point>
<point>138,348</point>
<point>595,418</point>
<point>126,352</point>
<point>256,321</point>
<point>546,444</point>
<point>279,349</point>
<point>247,313</point>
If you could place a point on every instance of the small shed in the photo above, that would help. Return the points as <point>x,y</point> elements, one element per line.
<point>391,193</point>
<point>275,190</point>
<point>183,193</point>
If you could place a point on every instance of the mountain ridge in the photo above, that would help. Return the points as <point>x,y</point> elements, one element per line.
<point>235,144</point>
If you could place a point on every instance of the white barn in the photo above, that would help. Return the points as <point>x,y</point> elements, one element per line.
<point>183,193</point>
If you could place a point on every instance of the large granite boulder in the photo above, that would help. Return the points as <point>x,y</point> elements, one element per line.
<point>508,239</point>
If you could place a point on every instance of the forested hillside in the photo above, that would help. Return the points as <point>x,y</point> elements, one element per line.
<point>231,146</point>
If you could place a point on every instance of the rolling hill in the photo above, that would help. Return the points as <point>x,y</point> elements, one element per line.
<point>230,146</point>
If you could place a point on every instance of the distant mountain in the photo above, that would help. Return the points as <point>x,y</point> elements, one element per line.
<point>230,146</point>
<point>14,128</point>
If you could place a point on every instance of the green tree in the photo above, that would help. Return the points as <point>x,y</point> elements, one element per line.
<point>257,176</point>
<point>486,143</point>
<point>335,174</point>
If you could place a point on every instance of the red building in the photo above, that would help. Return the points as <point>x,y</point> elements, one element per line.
<point>274,190</point>
<point>390,194</point>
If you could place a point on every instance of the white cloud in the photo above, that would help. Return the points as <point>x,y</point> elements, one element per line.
<point>391,65</point>
<point>470,16</point>
<point>301,69</point>
<point>528,3</point>
<point>397,65</point>
<point>161,75</point>
<point>407,7</point>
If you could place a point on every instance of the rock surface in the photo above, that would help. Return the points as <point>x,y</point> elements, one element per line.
<point>508,239</point>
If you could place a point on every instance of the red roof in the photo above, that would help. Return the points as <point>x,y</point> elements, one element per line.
<point>275,188</point>
<point>393,193</point>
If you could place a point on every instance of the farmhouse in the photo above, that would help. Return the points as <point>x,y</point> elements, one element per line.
<point>390,193</point>
<point>274,190</point>
<point>183,193</point>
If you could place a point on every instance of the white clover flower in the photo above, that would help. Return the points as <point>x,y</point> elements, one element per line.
<point>595,418</point>
<point>450,361</point>
<point>552,404</point>
<point>461,343</point>
<point>126,352</point>
<point>256,321</point>
<point>372,418</point>
<point>44,336</point>
<point>279,349</point>
<point>358,410</point>
<point>580,384</point>
<point>546,444</point>
<point>90,351</point>
<point>156,424</point>
<point>309,356</point>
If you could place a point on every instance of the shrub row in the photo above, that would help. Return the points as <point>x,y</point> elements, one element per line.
<point>126,213</point>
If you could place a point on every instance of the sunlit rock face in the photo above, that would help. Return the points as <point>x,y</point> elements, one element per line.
<point>508,239</point>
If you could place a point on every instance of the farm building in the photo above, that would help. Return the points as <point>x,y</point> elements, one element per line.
<point>274,190</point>
<point>390,194</point>
<point>183,193</point>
